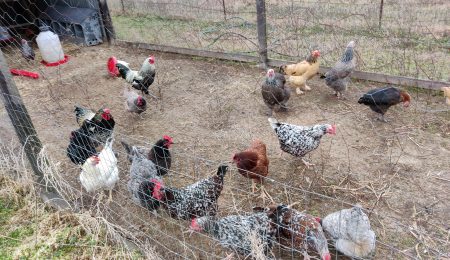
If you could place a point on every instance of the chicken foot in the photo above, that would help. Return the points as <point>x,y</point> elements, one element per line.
<point>264,194</point>
<point>307,164</point>
<point>382,119</point>
<point>299,92</point>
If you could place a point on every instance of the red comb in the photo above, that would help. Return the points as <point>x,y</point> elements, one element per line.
<point>168,138</point>
<point>107,110</point>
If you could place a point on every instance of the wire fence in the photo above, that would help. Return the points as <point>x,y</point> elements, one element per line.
<point>212,110</point>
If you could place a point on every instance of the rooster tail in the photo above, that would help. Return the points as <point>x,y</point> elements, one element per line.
<point>127,147</point>
<point>273,122</point>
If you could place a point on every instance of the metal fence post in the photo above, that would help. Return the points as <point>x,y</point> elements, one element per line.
<point>262,32</point>
<point>380,17</point>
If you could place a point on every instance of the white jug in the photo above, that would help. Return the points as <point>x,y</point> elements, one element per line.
<point>49,45</point>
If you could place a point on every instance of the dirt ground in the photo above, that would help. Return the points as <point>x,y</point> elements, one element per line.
<point>399,171</point>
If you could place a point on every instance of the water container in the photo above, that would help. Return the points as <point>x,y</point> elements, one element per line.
<point>49,45</point>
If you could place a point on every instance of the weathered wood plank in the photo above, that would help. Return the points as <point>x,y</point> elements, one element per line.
<point>370,76</point>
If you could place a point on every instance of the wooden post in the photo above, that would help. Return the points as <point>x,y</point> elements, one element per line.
<point>262,32</point>
<point>123,6</point>
<point>224,10</point>
<point>107,22</point>
<point>19,116</point>
<point>381,14</point>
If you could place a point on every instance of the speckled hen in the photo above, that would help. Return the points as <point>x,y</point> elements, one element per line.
<point>300,140</point>
<point>196,200</point>
<point>235,232</point>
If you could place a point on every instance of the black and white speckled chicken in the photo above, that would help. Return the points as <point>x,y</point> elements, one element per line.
<point>274,92</point>
<point>240,233</point>
<point>351,232</point>
<point>300,140</point>
<point>99,125</point>
<point>80,146</point>
<point>159,154</point>
<point>337,78</point>
<point>141,170</point>
<point>196,200</point>
<point>297,230</point>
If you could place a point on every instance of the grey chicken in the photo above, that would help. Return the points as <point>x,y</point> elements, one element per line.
<point>274,92</point>
<point>27,51</point>
<point>351,232</point>
<point>134,103</point>
<point>337,78</point>
<point>300,140</point>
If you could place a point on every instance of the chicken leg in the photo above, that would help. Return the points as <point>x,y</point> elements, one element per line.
<point>382,119</point>
<point>110,196</point>
<point>307,164</point>
<point>299,92</point>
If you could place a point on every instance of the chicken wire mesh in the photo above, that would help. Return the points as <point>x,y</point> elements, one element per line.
<point>377,166</point>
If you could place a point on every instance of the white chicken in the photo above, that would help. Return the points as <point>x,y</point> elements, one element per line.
<point>350,231</point>
<point>100,171</point>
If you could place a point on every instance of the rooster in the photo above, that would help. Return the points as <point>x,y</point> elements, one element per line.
<point>300,140</point>
<point>196,200</point>
<point>27,51</point>
<point>337,78</point>
<point>254,164</point>
<point>351,232</point>
<point>235,232</point>
<point>142,169</point>
<point>300,73</point>
<point>274,92</point>
<point>142,79</point>
<point>134,103</point>
<point>80,146</point>
<point>100,171</point>
<point>381,99</point>
<point>297,230</point>
<point>99,125</point>
<point>159,154</point>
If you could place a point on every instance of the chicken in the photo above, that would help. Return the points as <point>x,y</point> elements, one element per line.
<point>297,230</point>
<point>337,78</point>
<point>236,232</point>
<point>254,164</point>
<point>159,154</point>
<point>196,200</point>
<point>100,171</point>
<point>446,94</point>
<point>351,232</point>
<point>273,91</point>
<point>134,103</point>
<point>27,51</point>
<point>80,146</point>
<point>300,73</point>
<point>141,170</point>
<point>99,125</point>
<point>300,140</point>
<point>381,99</point>
<point>142,79</point>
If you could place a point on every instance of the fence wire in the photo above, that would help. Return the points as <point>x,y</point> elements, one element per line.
<point>212,110</point>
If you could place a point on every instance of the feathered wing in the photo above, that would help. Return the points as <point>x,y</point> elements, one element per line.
<point>83,114</point>
<point>130,97</point>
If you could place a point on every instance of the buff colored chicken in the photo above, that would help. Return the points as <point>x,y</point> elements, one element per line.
<point>298,74</point>
<point>446,94</point>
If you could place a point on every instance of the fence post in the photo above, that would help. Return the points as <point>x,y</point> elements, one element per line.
<point>107,22</point>
<point>224,10</point>
<point>262,32</point>
<point>380,17</point>
<point>123,6</point>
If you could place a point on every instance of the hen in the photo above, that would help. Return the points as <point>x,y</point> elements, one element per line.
<point>142,79</point>
<point>141,170</point>
<point>300,140</point>
<point>351,232</point>
<point>303,71</point>
<point>337,78</point>
<point>238,232</point>
<point>100,171</point>
<point>80,146</point>
<point>159,154</point>
<point>134,103</point>
<point>254,164</point>
<point>196,200</point>
<point>297,230</point>
<point>99,125</point>
<point>274,92</point>
<point>381,99</point>
<point>27,51</point>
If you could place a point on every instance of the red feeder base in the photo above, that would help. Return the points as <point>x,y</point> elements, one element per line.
<point>53,64</point>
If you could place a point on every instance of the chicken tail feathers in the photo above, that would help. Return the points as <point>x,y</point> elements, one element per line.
<point>322,76</point>
<point>273,122</point>
<point>222,170</point>
<point>127,147</point>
